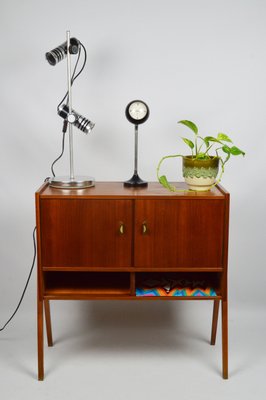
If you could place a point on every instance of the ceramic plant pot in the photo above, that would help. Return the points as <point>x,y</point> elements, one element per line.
<point>200,175</point>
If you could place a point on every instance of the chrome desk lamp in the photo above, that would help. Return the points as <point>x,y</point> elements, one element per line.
<point>70,116</point>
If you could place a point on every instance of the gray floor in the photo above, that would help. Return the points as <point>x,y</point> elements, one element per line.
<point>129,350</point>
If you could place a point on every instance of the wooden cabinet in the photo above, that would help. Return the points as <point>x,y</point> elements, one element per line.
<point>101,242</point>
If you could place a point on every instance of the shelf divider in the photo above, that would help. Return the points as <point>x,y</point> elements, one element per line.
<point>132,283</point>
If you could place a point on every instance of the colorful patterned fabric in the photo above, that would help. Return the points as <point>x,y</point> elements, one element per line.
<point>180,288</point>
<point>151,292</point>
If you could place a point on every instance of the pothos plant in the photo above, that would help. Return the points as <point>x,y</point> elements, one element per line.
<point>201,148</point>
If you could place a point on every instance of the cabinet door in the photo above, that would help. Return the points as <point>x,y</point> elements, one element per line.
<point>86,233</point>
<point>179,233</point>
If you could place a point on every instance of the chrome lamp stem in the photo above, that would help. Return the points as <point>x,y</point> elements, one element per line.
<point>70,127</point>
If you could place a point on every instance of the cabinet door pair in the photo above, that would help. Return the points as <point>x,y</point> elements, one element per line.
<point>172,233</point>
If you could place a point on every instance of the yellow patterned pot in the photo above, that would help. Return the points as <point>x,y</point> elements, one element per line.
<point>200,175</point>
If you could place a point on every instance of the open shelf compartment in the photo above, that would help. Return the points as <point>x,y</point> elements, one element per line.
<point>178,284</point>
<point>75,284</point>
<point>138,285</point>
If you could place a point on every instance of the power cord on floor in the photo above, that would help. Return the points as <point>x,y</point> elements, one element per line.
<point>25,288</point>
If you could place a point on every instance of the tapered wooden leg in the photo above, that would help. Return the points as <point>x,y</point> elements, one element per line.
<point>214,320</point>
<point>225,338</point>
<point>48,323</point>
<point>40,340</point>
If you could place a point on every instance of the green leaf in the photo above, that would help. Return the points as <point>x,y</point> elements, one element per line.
<point>206,141</point>
<point>188,142</point>
<point>190,125</point>
<point>226,149</point>
<point>163,181</point>
<point>235,151</point>
<point>210,139</point>
<point>223,137</point>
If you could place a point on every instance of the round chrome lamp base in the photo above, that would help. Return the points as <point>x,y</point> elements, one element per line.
<point>79,182</point>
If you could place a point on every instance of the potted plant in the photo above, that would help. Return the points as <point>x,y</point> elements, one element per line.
<point>200,169</point>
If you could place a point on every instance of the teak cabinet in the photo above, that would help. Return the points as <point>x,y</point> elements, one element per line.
<point>98,243</point>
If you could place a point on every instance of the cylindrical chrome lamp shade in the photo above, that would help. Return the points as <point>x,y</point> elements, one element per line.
<point>76,119</point>
<point>59,53</point>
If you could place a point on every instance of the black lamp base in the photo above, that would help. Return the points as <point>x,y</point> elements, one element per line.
<point>135,181</point>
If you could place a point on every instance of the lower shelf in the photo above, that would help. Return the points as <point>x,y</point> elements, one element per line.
<point>125,285</point>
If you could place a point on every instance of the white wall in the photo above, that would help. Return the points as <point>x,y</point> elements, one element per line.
<point>201,60</point>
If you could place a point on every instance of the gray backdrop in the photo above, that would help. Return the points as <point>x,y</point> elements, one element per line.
<point>200,60</point>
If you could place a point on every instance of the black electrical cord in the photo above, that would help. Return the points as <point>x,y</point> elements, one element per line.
<point>62,152</point>
<point>25,288</point>
<point>52,169</point>
<point>72,80</point>
<point>84,62</point>
<point>74,77</point>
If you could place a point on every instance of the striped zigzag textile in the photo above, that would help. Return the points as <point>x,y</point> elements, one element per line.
<point>176,292</point>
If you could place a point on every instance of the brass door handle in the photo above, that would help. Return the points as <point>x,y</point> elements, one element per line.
<point>122,228</point>
<point>144,228</point>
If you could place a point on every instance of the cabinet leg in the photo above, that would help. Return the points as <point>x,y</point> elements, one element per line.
<point>40,340</point>
<point>215,314</point>
<point>225,338</point>
<point>48,322</point>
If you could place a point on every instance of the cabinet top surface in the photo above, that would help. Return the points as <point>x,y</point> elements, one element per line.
<point>117,190</point>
